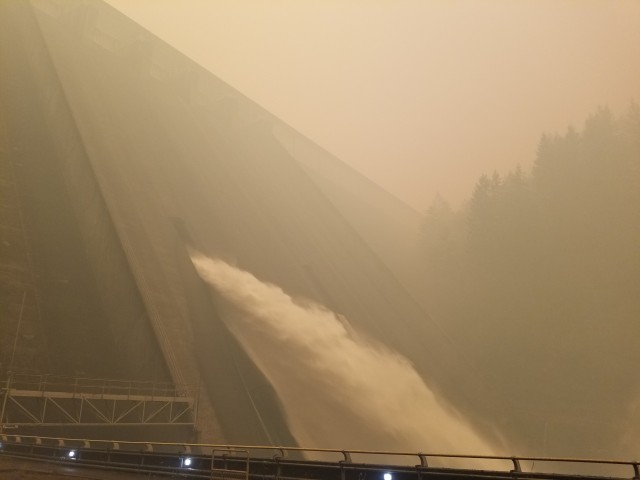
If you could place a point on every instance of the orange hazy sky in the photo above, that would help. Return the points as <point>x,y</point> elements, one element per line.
<point>421,96</point>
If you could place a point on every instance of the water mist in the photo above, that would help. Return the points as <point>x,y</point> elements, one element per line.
<point>338,389</point>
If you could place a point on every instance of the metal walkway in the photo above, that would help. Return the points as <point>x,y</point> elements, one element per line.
<point>51,401</point>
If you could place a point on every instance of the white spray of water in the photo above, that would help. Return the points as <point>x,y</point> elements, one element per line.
<point>337,388</point>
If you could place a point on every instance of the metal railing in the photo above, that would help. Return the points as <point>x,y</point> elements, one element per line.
<point>266,462</point>
<point>99,386</point>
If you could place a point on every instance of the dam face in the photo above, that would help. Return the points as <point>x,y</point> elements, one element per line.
<point>64,266</point>
<point>118,155</point>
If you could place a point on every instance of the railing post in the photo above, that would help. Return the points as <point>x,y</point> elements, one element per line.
<point>347,456</point>
<point>347,459</point>
<point>276,458</point>
<point>423,460</point>
<point>516,465</point>
<point>636,470</point>
<point>281,453</point>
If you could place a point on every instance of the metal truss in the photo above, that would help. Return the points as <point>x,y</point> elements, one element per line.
<point>47,401</point>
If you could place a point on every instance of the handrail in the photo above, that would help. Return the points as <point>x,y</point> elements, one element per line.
<point>69,384</point>
<point>345,454</point>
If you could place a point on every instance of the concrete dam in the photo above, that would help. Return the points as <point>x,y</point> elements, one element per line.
<point>119,158</point>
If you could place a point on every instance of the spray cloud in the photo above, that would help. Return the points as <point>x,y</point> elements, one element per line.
<point>336,387</point>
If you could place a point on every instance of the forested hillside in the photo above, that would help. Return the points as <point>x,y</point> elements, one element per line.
<point>537,278</point>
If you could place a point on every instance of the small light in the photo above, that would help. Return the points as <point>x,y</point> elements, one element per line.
<point>72,454</point>
<point>187,462</point>
<point>387,476</point>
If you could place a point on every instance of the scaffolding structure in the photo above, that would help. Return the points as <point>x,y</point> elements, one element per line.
<point>52,401</point>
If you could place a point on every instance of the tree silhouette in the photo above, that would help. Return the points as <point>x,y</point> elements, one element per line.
<point>538,278</point>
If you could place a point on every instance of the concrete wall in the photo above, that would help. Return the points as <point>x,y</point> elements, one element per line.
<point>89,305</point>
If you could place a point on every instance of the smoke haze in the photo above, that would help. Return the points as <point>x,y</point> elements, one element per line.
<point>333,383</point>
<point>419,96</point>
<point>518,306</point>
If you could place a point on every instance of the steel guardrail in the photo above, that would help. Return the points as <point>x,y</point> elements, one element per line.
<point>277,462</point>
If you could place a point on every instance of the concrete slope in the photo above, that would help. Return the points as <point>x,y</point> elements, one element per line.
<point>390,227</point>
<point>59,245</point>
